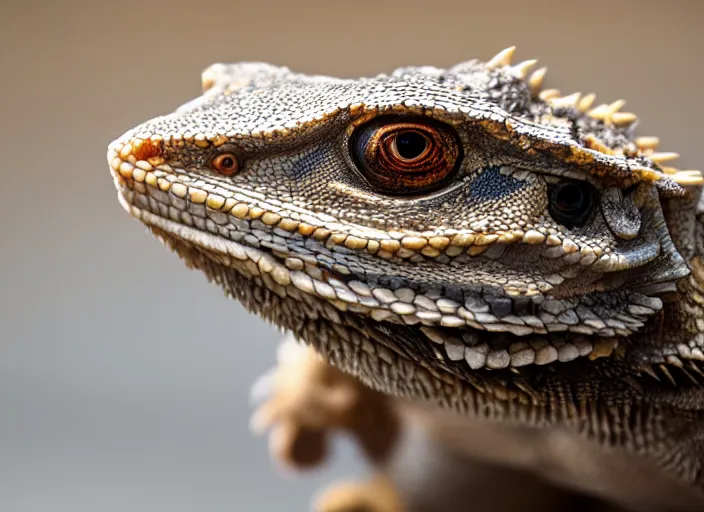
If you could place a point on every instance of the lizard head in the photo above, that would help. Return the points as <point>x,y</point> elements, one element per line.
<point>462,223</point>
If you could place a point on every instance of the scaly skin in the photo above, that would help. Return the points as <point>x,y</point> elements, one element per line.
<point>463,295</point>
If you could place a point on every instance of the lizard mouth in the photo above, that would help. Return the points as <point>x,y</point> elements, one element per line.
<point>469,348</point>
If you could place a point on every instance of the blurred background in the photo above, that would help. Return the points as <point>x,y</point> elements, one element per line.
<point>124,378</point>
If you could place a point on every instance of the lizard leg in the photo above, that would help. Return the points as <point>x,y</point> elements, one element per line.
<point>306,398</point>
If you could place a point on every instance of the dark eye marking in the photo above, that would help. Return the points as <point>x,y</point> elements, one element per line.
<point>405,156</point>
<point>571,202</point>
<point>491,185</point>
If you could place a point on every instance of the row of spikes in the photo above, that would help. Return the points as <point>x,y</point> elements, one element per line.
<point>668,370</point>
<point>607,113</point>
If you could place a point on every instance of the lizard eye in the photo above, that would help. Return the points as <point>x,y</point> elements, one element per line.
<point>399,157</point>
<point>225,163</point>
<point>571,203</point>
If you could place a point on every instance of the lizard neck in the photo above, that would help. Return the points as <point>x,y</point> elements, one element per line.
<point>569,395</point>
<point>683,319</point>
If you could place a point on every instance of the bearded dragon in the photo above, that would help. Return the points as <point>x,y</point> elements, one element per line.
<point>496,289</point>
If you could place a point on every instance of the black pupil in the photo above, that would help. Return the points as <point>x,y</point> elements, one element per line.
<point>570,198</point>
<point>410,145</point>
<point>228,162</point>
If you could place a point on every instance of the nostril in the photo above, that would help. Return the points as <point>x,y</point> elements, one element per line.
<point>146,149</point>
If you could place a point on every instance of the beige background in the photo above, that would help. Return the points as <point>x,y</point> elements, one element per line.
<point>124,378</point>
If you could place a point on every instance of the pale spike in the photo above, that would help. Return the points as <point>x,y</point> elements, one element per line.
<point>595,144</point>
<point>693,366</point>
<point>616,106</point>
<point>501,59</point>
<point>647,142</point>
<point>667,374</point>
<point>586,102</point>
<point>649,370</point>
<point>673,170</point>
<point>663,157</point>
<point>535,82</point>
<point>598,112</point>
<point>565,101</point>
<point>674,361</point>
<point>685,179</point>
<point>603,111</point>
<point>522,68</point>
<point>548,94</point>
<point>622,118</point>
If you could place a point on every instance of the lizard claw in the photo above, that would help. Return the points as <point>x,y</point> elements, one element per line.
<point>300,401</point>
<point>375,495</point>
<point>304,398</point>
